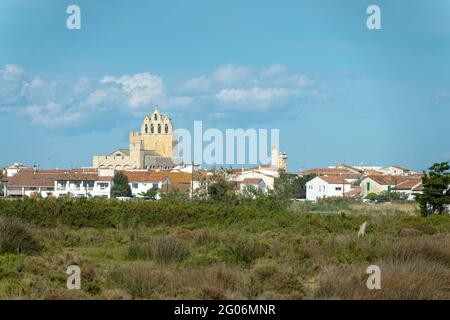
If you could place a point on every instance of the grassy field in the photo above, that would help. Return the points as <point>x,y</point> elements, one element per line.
<point>145,250</point>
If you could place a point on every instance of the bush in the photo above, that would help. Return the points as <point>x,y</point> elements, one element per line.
<point>16,238</point>
<point>140,281</point>
<point>245,250</point>
<point>163,249</point>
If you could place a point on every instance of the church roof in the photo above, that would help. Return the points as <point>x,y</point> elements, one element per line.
<point>124,151</point>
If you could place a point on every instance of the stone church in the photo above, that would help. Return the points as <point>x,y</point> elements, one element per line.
<point>151,148</point>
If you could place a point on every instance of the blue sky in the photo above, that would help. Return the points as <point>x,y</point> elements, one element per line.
<point>337,91</point>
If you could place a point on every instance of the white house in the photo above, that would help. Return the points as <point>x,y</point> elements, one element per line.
<point>249,182</point>
<point>142,180</point>
<point>327,186</point>
<point>267,175</point>
<point>83,185</point>
<point>397,171</point>
<point>30,183</point>
<point>409,188</point>
<point>381,183</point>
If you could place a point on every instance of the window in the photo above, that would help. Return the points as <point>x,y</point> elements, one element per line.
<point>368,186</point>
<point>166,128</point>
<point>338,188</point>
<point>135,185</point>
<point>159,128</point>
<point>155,185</point>
<point>152,128</point>
<point>155,117</point>
<point>103,186</point>
<point>146,128</point>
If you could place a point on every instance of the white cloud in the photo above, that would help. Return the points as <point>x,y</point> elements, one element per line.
<point>255,95</point>
<point>198,84</point>
<point>226,90</point>
<point>13,70</point>
<point>141,89</point>
<point>235,86</point>
<point>51,115</point>
<point>231,74</point>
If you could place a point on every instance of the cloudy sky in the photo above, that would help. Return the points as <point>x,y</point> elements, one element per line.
<point>337,91</point>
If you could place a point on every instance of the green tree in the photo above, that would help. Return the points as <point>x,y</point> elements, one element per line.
<point>300,185</point>
<point>121,187</point>
<point>219,187</point>
<point>372,196</point>
<point>436,191</point>
<point>2,191</point>
<point>284,186</point>
<point>150,193</point>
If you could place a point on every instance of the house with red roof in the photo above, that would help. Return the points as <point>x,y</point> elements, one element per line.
<point>328,186</point>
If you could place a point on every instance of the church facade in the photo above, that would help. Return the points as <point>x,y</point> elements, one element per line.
<point>151,148</point>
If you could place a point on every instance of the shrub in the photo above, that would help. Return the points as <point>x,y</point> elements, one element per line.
<point>245,250</point>
<point>16,238</point>
<point>163,249</point>
<point>140,281</point>
<point>415,279</point>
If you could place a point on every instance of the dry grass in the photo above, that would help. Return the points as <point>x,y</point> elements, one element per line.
<point>163,249</point>
<point>411,268</point>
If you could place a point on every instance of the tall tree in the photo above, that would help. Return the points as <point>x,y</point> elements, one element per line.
<point>1,184</point>
<point>436,189</point>
<point>300,185</point>
<point>219,188</point>
<point>121,187</point>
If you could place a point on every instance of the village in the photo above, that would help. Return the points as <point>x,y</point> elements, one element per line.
<point>148,164</point>
<point>333,181</point>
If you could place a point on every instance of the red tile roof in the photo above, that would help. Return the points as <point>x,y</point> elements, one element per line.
<point>334,180</point>
<point>355,191</point>
<point>27,178</point>
<point>388,179</point>
<point>409,184</point>
<point>251,181</point>
<point>156,176</point>
<point>47,178</point>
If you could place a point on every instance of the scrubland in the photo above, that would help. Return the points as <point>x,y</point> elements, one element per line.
<point>206,250</point>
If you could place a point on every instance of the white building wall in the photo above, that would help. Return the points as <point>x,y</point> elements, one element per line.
<point>99,189</point>
<point>318,188</point>
<point>141,187</point>
<point>268,180</point>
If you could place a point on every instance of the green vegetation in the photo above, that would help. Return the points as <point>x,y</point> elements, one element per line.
<point>15,238</point>
<point>386,196</point>
<point>121,187</point>
<point>150,193</point>
<point>436,189</point>
<point>203,249</point>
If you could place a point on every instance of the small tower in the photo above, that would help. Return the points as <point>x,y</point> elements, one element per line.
<point>282,161</point>
<point>137,154</point>
<point>274,157</point>
<point>278,159</point>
